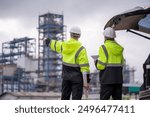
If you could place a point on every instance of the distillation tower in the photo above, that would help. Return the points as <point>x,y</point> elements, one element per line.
<point>49,62</point>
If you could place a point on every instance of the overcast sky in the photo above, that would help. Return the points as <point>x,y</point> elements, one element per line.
<point>19,18</point>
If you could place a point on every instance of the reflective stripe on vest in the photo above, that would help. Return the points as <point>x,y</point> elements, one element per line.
<point>78,52</point>
<point>114,65</point>
<point>100,62</point>
<point>108,64</point>
<point>75,65</point>
<point>83,65</point>
<point>76,56</point>
<point>105,51</point>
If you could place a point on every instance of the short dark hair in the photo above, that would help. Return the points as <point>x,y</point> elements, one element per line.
<point>108,38</point>
<point>74,35</point>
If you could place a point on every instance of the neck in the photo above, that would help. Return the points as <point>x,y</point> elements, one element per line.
<point>74,38</point>
<point>111,39</point>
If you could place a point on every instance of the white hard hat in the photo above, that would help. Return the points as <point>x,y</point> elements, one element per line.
<point>75,30</point>
<point>109,32</point>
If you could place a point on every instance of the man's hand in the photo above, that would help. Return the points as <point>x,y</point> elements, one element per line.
<point>47,42</point>
<point>87,86</point>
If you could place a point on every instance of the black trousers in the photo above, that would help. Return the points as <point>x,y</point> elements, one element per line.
<point>68,87</point>
<point>114,90</point>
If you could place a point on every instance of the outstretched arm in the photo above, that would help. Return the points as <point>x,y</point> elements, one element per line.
<point>54,45</point>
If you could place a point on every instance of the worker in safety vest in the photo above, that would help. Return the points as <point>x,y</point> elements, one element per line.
<point>110,63</point>
<point>75,64</point>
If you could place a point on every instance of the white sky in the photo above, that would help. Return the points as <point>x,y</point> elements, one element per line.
<point>19,18</point>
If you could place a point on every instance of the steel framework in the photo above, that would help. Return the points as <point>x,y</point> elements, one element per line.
<point>49,62</point>
<point>11,51</point>
<point>18,46</point>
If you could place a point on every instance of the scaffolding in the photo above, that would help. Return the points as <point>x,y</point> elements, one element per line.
<point>14,78</point>
<point>18,82</point>
<point>49,62</point>
<point>12,50</point>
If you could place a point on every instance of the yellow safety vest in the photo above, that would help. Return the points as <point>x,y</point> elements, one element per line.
<point>73,53</point>
<point>110,63</point>
<point>110,54</point>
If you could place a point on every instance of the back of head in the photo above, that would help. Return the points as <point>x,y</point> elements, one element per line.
<point>109,33</point>
<point>75,32</point>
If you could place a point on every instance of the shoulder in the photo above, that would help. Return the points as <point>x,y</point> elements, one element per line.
<point>81,48</point>
<point>101,46</point>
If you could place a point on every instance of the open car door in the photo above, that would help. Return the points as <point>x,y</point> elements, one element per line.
<point>137,19</point>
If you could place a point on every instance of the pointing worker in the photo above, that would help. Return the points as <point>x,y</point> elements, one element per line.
<point>75,64</point>
<point>110,63</point>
